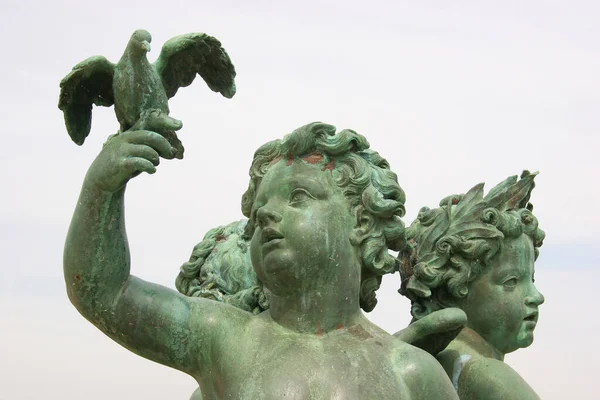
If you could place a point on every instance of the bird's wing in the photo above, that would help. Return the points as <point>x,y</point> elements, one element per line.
<point>182,57</point>
<point>90,82</point>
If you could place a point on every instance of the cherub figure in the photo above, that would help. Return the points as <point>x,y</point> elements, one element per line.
<point>477,253</point>
<point>323,211</point>
<point>220,269</point>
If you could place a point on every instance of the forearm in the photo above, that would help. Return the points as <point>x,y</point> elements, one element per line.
<point>151,320</point>
<point>146,318</point>
<point>96,257</point>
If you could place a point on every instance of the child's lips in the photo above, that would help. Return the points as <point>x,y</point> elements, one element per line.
<point>532,317</point>
<point>270,234</point>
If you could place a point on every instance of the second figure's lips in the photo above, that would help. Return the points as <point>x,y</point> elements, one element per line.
<point>269,234</point>
<point>533,316</point>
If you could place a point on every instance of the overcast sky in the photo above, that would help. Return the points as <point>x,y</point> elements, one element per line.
<point>451,93</point>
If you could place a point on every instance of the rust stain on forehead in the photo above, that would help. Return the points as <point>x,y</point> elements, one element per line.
<point>274,161</point>
<point>290,159</point>
<point>313,158</point>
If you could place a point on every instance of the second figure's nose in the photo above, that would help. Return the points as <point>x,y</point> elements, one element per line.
<point>266,214</point>
<point>535,297</point>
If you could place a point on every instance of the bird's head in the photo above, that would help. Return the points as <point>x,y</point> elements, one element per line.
<point>140,40</point>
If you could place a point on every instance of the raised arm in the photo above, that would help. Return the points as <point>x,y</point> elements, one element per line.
<point>150,320</point>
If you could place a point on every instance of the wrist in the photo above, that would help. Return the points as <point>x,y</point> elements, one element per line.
<point>94,192</point>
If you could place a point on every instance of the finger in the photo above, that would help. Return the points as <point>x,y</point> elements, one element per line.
<point>448,319</point>
<point>441,321</point>
<point>158,120</point>
<point>138,164</point>
<point>152,139</point>
<point>167,123</point>
<point>145,152</point>
<point>445,320</point>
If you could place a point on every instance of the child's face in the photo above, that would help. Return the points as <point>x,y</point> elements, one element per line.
<point>302,228</point>
<point>502,304</point>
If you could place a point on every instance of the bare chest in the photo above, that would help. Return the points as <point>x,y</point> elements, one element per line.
<point>302,367</point>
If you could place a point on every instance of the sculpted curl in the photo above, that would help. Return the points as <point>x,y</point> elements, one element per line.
<point>220,269</point>
<point>448,247</point>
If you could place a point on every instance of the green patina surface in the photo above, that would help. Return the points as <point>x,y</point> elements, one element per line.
<point>477,253</point>
<point>290,282</point>
<point>318,246</point>
<point>140,90</point>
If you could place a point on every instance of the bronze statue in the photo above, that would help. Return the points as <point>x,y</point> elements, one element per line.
<point>276,311</point>
<point>140,90</point>
<point>477,253</point>
<point>220,269</point>
<point>323,211</point>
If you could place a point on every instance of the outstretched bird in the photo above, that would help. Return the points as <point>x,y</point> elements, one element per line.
<point>138,88</point>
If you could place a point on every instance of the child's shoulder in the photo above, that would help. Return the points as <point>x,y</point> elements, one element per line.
<point>488,378</point>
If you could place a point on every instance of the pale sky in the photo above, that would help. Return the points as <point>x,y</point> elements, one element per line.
<point>451,93</point>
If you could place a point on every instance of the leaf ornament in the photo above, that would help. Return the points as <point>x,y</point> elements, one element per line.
<point>512,193</point>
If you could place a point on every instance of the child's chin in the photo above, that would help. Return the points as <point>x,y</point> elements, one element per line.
<point>526,339</point>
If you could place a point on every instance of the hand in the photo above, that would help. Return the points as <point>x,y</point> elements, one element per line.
<point>435,331</point>
<point>160,122</point>
<point>126,155</point>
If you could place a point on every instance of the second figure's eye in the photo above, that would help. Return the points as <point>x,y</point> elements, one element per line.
<point>300,195</point>
<point>510,283</point>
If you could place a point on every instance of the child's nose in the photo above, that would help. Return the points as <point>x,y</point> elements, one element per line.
<point>535,297</point>
<point>266,214</point>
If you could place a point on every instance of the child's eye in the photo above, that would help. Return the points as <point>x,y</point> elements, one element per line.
<point>510,283</point>
<point>299,195</point>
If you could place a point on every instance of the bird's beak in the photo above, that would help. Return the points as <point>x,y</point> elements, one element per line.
<point>146,45</point>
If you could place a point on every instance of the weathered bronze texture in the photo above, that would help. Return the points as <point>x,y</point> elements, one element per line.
<point>323,211</point>
<point>270,307</point>
<point>140,89</point>
<point>220,269</point>
<point>477,253</point>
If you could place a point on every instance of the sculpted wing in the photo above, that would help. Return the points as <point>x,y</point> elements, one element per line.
<point>182,57</point>
<point>90,82</point>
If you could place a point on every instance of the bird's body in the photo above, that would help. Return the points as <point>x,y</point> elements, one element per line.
<point>136,84</point>
<point>136,87</point>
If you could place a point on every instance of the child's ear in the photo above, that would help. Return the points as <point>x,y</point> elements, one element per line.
<point>364,224</point>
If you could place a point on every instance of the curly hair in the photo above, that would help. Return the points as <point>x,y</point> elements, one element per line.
<point>448,247</point>
<point>220,269</point>
<point>366,181</point>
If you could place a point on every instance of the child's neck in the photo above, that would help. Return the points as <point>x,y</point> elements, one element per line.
<point>316,311</point>
<point>472,339</point>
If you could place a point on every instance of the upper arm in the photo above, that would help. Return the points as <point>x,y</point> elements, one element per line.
<point>490,379</point>
<point>162,325</point>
